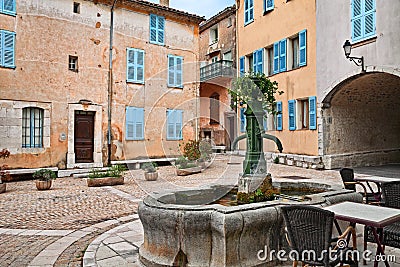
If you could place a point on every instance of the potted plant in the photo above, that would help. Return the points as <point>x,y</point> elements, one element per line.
<point>112,176</point>
<point>150,171</point>
<point>186,167</point>
<point>44,178</point>
<point>4,174</point>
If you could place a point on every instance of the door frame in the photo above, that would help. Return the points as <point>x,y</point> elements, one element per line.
<point>97,142</point>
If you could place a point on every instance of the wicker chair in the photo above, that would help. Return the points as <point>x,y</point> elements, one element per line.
<point>347,175</point>
<point>310,229</point>
<point>391,233</point>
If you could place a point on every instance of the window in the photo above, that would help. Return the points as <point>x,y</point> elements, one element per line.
<point>268,5</point>
<point>214,59</point>
<point>8,7</point>
<point>229,22</point>
<point>303,48</point>
<point>7,49</point>
<point>242,120</point>
<point>174,124</point>
<point>32,127</point>
<point>279,122</point>
<point>270,52</point>
<point>295,52</point>
<point>227,56</point>
<point>73,63</point>
<point>258,66</point>
<point>292,114</point>
<point>303,113</point>
<point>175,71</point>
<point>77,8</point>
<point>241,66</point>
<point>362,19</point>
<point>157,25</point>
<point>214,108</point>
<point>135,65</point>
<point>214,35</point>
<point>248,11</point>
<point>265,121</point>
<point>249,63</point>
<point>134,123</point>
<point>280,56</point>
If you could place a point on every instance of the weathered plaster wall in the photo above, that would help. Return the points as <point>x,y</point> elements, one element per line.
<point>286,20</point>
<point>47,32</point>
<point>360,117</point>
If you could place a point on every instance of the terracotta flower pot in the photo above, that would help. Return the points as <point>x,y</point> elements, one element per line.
<point>151,176</point>
<point>43,185</point>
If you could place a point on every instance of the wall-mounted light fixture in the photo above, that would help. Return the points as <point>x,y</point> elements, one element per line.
<point>359,61</point>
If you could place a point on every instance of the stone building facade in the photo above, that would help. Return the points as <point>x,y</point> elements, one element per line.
<point>359,109</point>
<point>218,60</point>
<point>55,86</point>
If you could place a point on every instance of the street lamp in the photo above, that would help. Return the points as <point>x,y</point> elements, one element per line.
<point>359,61</point>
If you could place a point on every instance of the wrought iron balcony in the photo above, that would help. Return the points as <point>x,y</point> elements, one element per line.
<point>222,68</point>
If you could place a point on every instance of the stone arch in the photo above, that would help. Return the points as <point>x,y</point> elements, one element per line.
<point>361,119</point>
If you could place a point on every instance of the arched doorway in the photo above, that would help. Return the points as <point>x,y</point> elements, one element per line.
<point>361,121</point>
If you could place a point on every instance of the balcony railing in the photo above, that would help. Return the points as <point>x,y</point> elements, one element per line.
<point>222,68</point>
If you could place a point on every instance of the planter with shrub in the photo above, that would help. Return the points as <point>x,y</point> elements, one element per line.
<point>4,174</point>
<point>44,178</point>
<point>150,171</point>
<point>113,176</point>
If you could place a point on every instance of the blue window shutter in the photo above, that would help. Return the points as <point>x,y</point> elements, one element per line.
<point>356,20</point>
<point>268,5</point>
<point>153,28</point>
<point>179,125</point>
<point>282,55</point>
<point>303,48</point>
<point>178,71</point>
<point>139,123</point>
<point>251,10</point>
<point>129,124</point>
<point>1,48</point>
<point>139,65</point>
<point>369,18</point>
<point>265,121</point>
<point>174,124</point>
<point>242,120</point>
<point>312,104</point>
<point>8,49</point>
<point>160,30</point>
<point>8,6</point>
<point>171,70</point>
<point>279,123</point>
<point>130,65</point>
<point>255,61</point>
<point>258,61</point>
<point>241,66</point>
<point>276,57</point>
<point>248,11</point>
<point>292,114</point>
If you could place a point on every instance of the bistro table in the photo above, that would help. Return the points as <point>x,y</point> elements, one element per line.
<point>378,181</point>
<point>374,216</point>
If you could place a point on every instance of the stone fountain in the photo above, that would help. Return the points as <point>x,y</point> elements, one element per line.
<point>187,228</point>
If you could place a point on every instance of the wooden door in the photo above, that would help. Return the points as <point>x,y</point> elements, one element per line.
<point>84,136</point>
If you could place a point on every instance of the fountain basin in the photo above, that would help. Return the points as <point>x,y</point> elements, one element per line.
<point>179,230</point>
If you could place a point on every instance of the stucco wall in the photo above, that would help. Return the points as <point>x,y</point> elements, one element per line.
<point>286,20</point>
<point>47,32</point>
<point>332,65</point>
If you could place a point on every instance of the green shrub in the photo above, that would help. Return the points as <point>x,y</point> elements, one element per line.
<point>191,150</point>
<point>113,171</point>
<point>149,167</point>
<point>44,175</point>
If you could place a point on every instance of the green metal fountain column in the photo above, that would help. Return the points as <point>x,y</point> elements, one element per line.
<point>254,162</point>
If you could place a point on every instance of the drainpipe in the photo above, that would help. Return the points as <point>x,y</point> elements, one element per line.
<point>110,85</point>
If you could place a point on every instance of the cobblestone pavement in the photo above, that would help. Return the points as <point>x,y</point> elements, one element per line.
<point>54,228</point>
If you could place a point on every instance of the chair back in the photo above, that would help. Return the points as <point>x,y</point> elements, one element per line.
<point>309,229</point>
<point>347,175</point>
<point>391,194</point>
